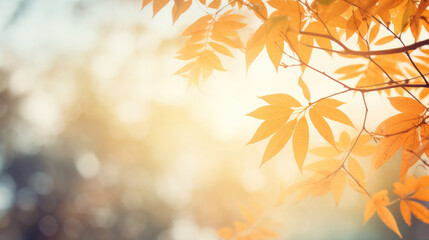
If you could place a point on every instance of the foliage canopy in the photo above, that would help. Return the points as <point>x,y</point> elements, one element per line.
<point>290,30</point>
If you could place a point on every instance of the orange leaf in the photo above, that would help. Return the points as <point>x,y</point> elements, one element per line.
<point>322,126</point>
<point>388,219</point>
<point>397,124</point>
<point>330,102</point>
<point>300,142</point>
<point>326,151</point>
<point>220,49</point>
<point>266,129</point>
<point>344,141</point>
<point>357,172</point>
<point>422,194</point>
<point>304,88</point>
<point>200,24</point>
<point>423,182</point>
<point>364,150</point>
<point>281,99</point>
<point>385,149</point>
<point>337,185</point>
<point>407,105</point>
<point>215,4</point>
<point>304,51</point>
<point>255,44</point>
<point>145,3</point>
<point>278,141</point>
<point>180,6</point>
<point>271,112</point>
<point>419,211</point>
<point>374,31</point>
<point>410,153</point>
<point>349,69</point>
<point>384,40</point>
<point>333,114</point>
<point>405,211</point>
<point>158,5</point>
<point>274,47</point>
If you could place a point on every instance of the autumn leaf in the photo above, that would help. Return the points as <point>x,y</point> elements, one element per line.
<point>419,211</point>
<point>407,105</point>
<point>321,126</point>
<point>378,203</point>
<point>300,142</point>
<point>278,141</point>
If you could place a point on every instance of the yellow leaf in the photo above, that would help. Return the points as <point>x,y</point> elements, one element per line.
<point>405,211</point>
<point>388,219</point>
<point>363,139</point>
<point>304,88</point>
<point>385,149</point>
<point>327,151</point>
<point>220,49</point>
<point>158,5</point>
<point>370,209</point>
<point>200,24</point>
<point>330,102</point>
<point>333,114</point>
<point>344,141</point>
<point>211,60</point>
<point>356,170</point>
<point>278,141</point>
<point>349,69</point>
<point>380,199</point>
<point>410,153</point>
<point>281,99</point>
<point>337,185</point>
<point>305,49</point>
<point>266,129</point>
<point>374,31</point>
<point>215,4</point>
<point>322,126</point>
<point>271,112</point>
<point>398,124</point>
<point>422,195</point>
<point>274,47</point>
<point>300,142</point>
<point>145,3</point>
<point>423,182</point>
<point>419,211</point>
<point>407,105</point>
<point>259,9</point>
<point>255,44</point>
<point>384,40</point>
<point>364,151</point>
<point>180,6</point>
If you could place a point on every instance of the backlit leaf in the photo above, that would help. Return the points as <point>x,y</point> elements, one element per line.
<point>281,99</point>
<point>322,126</point>
<point>419,211</point>
<point>278,141</point>
<point>405,211</point>
<point>407,105</point>
<point>300,142</point>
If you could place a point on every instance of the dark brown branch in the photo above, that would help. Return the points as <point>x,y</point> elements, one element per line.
<point>348,51</point>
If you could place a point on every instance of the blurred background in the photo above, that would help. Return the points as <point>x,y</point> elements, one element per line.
<point>99,140</point>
